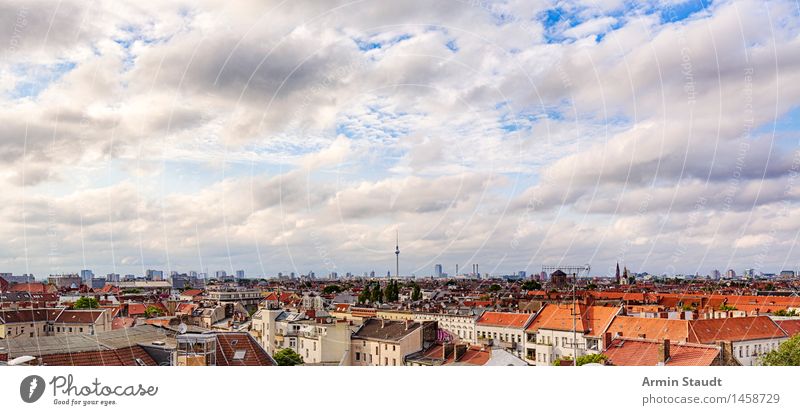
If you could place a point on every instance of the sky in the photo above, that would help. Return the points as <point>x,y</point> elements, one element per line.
<point>297,136</point>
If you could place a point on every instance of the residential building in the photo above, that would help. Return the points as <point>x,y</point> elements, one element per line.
<point>459,326</point>
<point>505,330</point>
<point>566,330</point>
<point>380,342</point>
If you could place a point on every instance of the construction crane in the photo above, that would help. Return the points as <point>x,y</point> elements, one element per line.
<point>577,270</point>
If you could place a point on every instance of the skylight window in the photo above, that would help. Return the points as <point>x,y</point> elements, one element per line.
<point>239,354</point>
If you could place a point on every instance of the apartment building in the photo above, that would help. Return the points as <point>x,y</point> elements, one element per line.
<point>460,326</point>
<point>504,330</point>
<point>52,321</point>
<point>566,330</point>
<point>380,342</point>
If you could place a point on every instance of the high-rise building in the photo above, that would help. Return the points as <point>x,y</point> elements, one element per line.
<point>715,274</point>
<point>730,274</point>
<point>240,274</point>
<point>98,283</point>
<point>155,275</point>
<point>86,274</point>
<point>522,274</point>
<point>437,270</point>
<point>220,274</point>
<point>749,273</point>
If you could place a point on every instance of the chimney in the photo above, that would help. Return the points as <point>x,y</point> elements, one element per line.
<point>407,325</point>
<point>460,350</point>
<point>607,339</point>
<point>383,323</point>
<point>663,351</point>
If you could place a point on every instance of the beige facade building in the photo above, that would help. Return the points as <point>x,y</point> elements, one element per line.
<point>381,342</point>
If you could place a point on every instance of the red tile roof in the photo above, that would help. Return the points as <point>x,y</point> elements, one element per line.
<point>650,328</point>
<point>191,293</point>
<point>34,287</point>
<point>475,356</point>
<point>791,327</point>
<point>186,308</point>
<point>734,329</point>
<point>644,352</point>
<point>122,322</point>
<point>341,307</point>
<point>514,320</point>
<point>118,357</point>
<point>29,316</point>
<point>79,316</point>
<point>229,343</point>
<point>591,320</point>
<point>136,309</point>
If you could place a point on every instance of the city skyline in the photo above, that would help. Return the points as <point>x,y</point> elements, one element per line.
<point>294,136</point>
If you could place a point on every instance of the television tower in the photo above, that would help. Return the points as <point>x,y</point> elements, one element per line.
<point>397,255</point>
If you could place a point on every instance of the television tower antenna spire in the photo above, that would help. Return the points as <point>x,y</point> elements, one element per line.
<point>397,254</point>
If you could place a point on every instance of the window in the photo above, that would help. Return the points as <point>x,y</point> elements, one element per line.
<point>394,348</point>
<point>394,362</point>
<point>239,354</point>
<point>358,356</point>
<point>376,349</point>
<point>386,361</point>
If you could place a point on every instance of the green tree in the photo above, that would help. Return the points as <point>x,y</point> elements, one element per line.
<point>392,291</point>
<point>377,295</point>
<point>332,289</point>
<point>153,311</point>
<point>786,313</point>
<point>86,303</point>
<point>592,358</point>
<point>494,288</point>
<point>787,354</point>
<point>531,285</point>
<point>365,295</point>
<point>288,357</point>
<point>416,293</point>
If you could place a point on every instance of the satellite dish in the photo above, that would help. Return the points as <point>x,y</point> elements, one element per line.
<point>182,328</point>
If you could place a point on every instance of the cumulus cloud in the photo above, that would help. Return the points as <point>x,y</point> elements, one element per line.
<point>291,136</point>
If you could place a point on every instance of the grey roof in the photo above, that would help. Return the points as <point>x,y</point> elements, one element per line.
<point>109,340</point>
<point>385,330</point>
